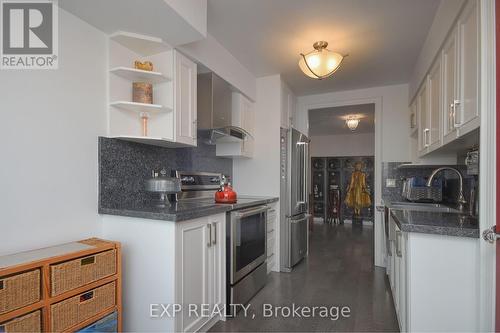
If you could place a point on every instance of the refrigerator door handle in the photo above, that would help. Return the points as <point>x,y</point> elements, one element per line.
<point>306,171</point>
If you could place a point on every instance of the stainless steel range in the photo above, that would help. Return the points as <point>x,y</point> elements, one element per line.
<point>246,237</point>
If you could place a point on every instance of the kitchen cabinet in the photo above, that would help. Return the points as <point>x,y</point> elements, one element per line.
<point>171,120</point>
<point>467,108</point>
<point>423,119</point>
<point>435,105</point>
<point>448,101</point>
<point>400,276</point>
<point>433,269</point>
<point>167,262</point>
<point>450,86</point>
<point>185,99</point>
<point>288,105</point>
<point>272,224</point>
<point>413,118</point>
<point>199,273</point>
<point>243,116</point>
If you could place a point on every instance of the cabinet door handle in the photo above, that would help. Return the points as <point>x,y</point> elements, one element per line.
<point>195,128</point>
<point>426,137</point>
<point>398,244</point>
<point>209,235</point>
<point>214,241</point>
<point>455,123</point>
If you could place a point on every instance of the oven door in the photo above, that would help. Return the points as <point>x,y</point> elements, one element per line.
<point>248,240</point>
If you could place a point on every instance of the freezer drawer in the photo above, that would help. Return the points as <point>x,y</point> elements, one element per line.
<point>298,228</point>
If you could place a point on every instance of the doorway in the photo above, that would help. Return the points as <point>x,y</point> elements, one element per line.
<point>342,163</point>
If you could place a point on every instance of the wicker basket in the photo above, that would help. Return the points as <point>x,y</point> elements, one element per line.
<point>77,309</point>
<point>19,290</point>
<point>30,322</point>
<point>78,272</point>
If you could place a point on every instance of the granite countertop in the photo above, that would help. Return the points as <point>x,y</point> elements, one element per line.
<point>448,224</point>
<point>185,210</point>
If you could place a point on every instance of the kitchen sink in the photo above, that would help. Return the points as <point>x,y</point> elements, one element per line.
<point>427,207</point>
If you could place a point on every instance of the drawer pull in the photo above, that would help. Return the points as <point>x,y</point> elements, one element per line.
<point>87,261</point>
<point>86,296</point>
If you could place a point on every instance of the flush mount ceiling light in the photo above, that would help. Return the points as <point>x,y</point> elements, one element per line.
<point>352,122</point>
<point>320,63</point>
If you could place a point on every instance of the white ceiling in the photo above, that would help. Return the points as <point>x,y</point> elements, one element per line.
<point>382,37</point>
<point>331,121</point>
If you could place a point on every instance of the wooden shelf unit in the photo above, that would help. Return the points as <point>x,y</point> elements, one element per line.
<point>22,263</point>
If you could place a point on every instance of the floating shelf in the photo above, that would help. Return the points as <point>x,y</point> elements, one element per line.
<point>161,142</point>
<point>140,44</point>
<point>139,75</point>
<point>140,107</point>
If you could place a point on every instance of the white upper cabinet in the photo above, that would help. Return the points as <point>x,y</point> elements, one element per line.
<point>242,116</point>
<point>467,109</point>
<point>170,121</point>
<point>448,101</point>
<point>435,106</point>
<point>423,119</point>
<point>185,97</point>
<point>288,104</point>
<point>450,86</point>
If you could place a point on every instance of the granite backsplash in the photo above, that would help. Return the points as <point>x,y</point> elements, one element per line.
<point>390,170</point>
<point>124,166</point>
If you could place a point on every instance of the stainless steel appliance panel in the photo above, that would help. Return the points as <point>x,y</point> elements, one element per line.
<point>248,248</point>
<point>298,161</point>
<point>298,227</point>
<point>293,197</point>
<point>247,287</point>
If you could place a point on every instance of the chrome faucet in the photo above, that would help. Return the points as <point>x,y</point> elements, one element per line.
<point>461,199</point>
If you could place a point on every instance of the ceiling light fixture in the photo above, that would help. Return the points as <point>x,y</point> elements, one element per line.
<point>320,63</point>
<point>352,122</point>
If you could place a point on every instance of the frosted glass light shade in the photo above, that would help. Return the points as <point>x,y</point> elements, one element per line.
<point>320,63</point>
<point>352,123</point>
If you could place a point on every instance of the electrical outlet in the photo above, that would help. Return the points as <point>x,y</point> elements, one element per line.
<point>390,182</point>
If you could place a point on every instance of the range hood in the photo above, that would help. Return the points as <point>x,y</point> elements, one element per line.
<point>215,110</point>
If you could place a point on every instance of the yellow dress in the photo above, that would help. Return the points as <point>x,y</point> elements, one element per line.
<point>357,195</point>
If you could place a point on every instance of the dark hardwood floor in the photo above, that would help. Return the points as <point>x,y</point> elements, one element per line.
<point>338,272</point>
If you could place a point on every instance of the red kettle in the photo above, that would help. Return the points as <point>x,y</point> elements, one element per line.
<point>225,194</point>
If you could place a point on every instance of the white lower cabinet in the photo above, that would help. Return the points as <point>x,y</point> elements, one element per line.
<point>167,263</point>
<point>433,281</point>
<point>271,239</point>
<point>199,272</point>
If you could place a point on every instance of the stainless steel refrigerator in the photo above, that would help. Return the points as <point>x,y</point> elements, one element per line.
<point>293,198</point>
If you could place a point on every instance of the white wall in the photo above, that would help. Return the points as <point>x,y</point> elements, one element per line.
<point>213,55</point>
<point>50,120</point>
<point>444,19</point>
<point>362,144</point>
<point>394,116</point>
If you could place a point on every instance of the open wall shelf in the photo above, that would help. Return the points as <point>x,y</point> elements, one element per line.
<point>140,107</point>
<point>139,75</point>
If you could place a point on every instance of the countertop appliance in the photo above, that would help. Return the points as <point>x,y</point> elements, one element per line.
<point>225,194</point>
<point>294,197</point>
<point>246,237</point>
<point>161,186</point>
<point>215,110</point>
